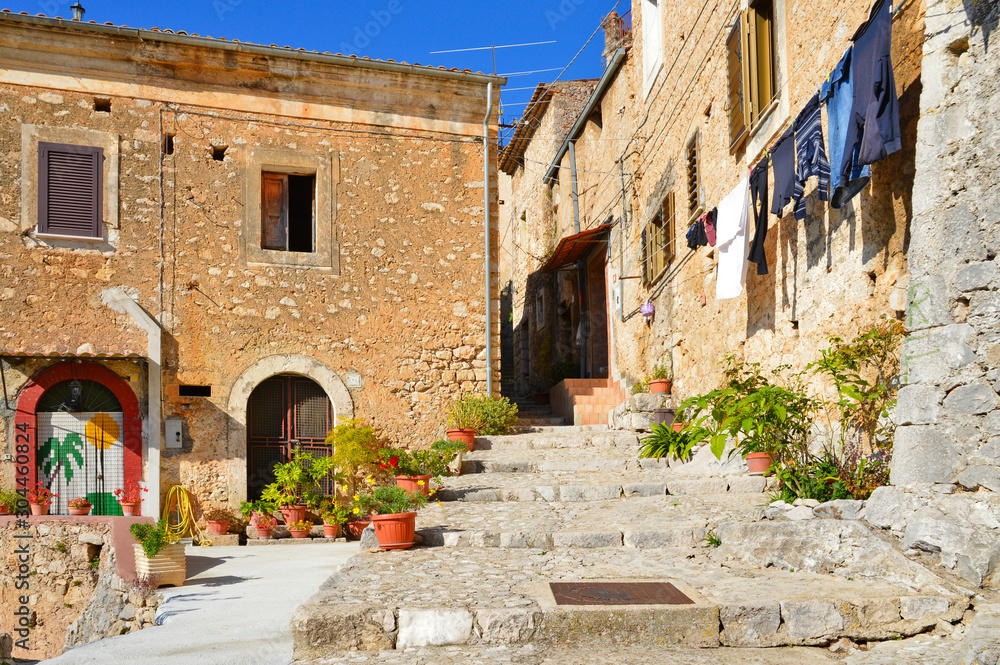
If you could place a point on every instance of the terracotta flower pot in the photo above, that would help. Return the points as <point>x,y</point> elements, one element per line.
<point>3,510</point>
<point>420,484</point>
<point>466,436</point>
<point>395,532</point>
<point>356,527</point>
<point>299,533</point>
<point>130,509</point>
<point>678,426</point>
<point>264,534</point>
<point>293,513</point>
<point>758,463</point>
<point>331,530</point>
<point>660,386</point>
<point>219,527</point>
<point>79,511</point>
<point>39,509</point>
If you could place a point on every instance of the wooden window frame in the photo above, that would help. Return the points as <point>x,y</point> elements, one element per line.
<point>695,190</point>
<point>752,70</point>
<point>96,176</point>
<point>659,241</point>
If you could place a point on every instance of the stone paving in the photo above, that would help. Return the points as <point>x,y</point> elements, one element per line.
<point>577,505</point>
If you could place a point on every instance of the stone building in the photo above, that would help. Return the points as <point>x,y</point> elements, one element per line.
<point>213,251</point>
<point>691,100</point>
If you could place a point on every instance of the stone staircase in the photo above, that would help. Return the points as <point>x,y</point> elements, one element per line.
<point>576,503</point>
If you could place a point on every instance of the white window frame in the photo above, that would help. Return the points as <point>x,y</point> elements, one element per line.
<point>652,43</point>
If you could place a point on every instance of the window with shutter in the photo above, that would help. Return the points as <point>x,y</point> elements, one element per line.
<point>751,68</point>
<point>70,198</point>
<point>287,212</point>
<point>693,177</point>
<point>659,241</point>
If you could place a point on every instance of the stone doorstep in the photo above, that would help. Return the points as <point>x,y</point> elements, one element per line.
<point>606,491</point>
<point>257,542</point>
<point>322,630</point>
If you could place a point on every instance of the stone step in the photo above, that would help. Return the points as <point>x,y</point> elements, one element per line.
<point>433,597</point>
<point>558,429</point>
<point>577,486</point>
<point>540,420</point>
<point>589,519</point>
<point>559,438</point>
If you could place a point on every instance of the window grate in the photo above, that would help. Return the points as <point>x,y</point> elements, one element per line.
<point>312,411</point>
<point>267,410</point>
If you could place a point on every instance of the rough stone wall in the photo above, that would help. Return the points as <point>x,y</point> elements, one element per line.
<point>836,273</point>
<point>400,301</point>
<point>71,575</point>
<point>948,405</point>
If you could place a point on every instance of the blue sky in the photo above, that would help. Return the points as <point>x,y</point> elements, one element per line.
<point>398,29</point>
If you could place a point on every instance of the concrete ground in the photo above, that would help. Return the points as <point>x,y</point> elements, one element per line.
<point>234,608</point>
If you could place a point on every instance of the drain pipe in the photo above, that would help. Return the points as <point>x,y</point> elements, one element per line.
<point>486,227</point>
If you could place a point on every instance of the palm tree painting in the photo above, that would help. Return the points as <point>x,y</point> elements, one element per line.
<point>59,454</point>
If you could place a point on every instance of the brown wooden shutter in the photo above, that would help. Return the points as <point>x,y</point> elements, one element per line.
<point>645,255</point>
<point>760,58</point>
<point>274,211</point>
<point>737,103</point>
<point>70,190</point>
<point>669,229</point>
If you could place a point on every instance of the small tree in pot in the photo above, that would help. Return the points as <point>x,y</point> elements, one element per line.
<point>296,485</point>
<point>393,514</point>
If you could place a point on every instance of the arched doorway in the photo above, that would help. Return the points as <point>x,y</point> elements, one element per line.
<point>285,413</point>
<point>83,431</point>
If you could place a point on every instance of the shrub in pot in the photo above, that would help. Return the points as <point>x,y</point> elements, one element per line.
<point>300,529</point>
<point>79,506</point>
<point>219,521</point>
<point>660,379</point>
<point>297,483</point>
<point>485,415</point>
<point>264,523</point>
<point>333,514</point>
<point>414,469</point>
<point>665,441</point>
<point>393,514</point>
<point>9,500</point>
<point>354,452</point>
<point>158,555</point>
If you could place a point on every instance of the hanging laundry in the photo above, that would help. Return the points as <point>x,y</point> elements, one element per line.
<point>696,234</point>
<point>838,93</point>
<point>710,225</point>
<point>731,234</point>
<point>810,155</point>
<point>873,132</point>
<point>783,164</point>
<point>758,204</point>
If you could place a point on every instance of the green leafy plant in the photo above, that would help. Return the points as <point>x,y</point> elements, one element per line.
<point>152,538</point>
<point>298,481</point>
<point>640,387</point>
<point>355,450</point>
<point>333,512</point>
<point>79,502</point>
<point>433,462</point>
<point>712,539</point>
<point>753,408</point>
<point>387,501</point>
<point>665,442</point>
<point>661,371</point>
<point>10,499</point>
<point>249,508</point>
<point>488,415</point>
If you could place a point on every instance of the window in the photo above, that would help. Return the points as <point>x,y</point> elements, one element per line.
<point>652,42</point>
<point>751,63</point>
<point>69,190</point>
<point>287,204</point>
<point>695,199</point>
<point>658,241</point>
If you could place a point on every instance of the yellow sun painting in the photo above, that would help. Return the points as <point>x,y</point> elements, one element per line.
<point>102,431</point>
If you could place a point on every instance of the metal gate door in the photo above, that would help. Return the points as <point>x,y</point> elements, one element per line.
<point>284,413</point>
<point>81,452</point>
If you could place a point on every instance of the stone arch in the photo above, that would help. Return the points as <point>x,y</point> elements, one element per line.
<point>239,394</point>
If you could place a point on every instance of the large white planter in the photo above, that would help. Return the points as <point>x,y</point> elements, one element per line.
<point>167,567</point>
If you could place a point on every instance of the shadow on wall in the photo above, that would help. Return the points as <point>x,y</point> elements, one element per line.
<point>534,339</point>
<point>985,15</point>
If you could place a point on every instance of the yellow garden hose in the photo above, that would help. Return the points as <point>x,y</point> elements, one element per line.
<point>179,500</point>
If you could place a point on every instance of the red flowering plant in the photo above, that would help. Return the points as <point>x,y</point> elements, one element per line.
<point>388,459</point>
<point>79,502</point>
<point>131,493</point>
<point>263,521</point>
<point>41,495</point>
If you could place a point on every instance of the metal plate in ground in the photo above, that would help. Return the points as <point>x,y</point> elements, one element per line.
<point>617,593</point>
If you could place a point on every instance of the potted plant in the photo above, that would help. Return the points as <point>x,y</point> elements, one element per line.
<point>333,515</point>
<point>665,441</point>
<point>393,514</point>
<point>297,483</point>
<point>219,520</point>
<point>354,452</point>
<point>130,497</point>
<point>79,506</point>
<point>158,555</point>
<point>300,529</point>
<point>8,502</point>
<point>484,415</point>
<point>413,469</point>
<point>40,499</point>
<point>263,522</point>
<point>768,421</point>
<point>455,450</point>
<point>660,379</point>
